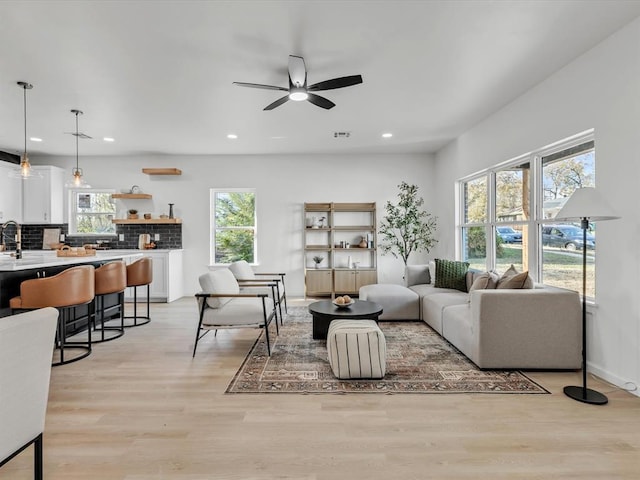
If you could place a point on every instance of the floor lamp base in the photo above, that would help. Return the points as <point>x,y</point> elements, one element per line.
<point>586,395</point>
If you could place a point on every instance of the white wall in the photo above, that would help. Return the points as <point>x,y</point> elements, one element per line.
<point>283,184</point>
<point>600,90</point>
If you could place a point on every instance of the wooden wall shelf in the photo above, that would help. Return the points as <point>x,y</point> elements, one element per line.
<point>162,171</point>
<point>131,221</point>
<point>136,196</point>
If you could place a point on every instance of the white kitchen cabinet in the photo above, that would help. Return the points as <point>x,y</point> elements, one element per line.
<point>10,193</point>
<point>43,196</point>
<point>167,277</point>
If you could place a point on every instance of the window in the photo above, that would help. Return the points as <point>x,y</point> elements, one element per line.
<point>233,225</point>
<point>507,215</point>
<point>562,173</point>
<point>91,212</point>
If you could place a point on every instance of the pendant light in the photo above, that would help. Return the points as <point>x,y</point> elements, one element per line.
<point>78,181</point>
<point>25,171</point>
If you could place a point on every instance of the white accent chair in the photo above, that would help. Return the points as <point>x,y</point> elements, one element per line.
<point>26,348</point>
<point>222,306</point>
<point>245,275</point>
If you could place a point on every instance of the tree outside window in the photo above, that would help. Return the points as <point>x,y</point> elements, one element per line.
<point>92,212</point>
<point>233,225</point>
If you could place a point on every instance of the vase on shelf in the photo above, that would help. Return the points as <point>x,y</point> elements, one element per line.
<point>171,210</point>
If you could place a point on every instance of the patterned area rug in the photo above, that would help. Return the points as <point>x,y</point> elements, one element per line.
<point>418,361</point>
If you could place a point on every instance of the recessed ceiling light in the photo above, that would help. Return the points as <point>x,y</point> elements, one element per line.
<point>232,136</point>
<point>387,135</point>
<point>109,139</point>
<point>35,139</point>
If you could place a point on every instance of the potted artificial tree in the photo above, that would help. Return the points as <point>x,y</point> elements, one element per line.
<point>406,228</point>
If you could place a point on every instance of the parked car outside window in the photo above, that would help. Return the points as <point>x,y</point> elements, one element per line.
<point>566,236</point>
<point>509,235</point>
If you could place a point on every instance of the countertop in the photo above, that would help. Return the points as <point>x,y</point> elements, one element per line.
<point>47,258</point>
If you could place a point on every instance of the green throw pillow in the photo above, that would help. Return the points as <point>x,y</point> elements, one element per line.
<point>451,274</point>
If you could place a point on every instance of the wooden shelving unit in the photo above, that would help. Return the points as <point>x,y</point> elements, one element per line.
<point>343,222</point>
<point>135,196</point>
<point>132,221</point>
<point>162,171</point>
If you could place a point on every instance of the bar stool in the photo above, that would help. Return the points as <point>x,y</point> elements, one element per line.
<point>111,278</point>
<point>65,291</point>
<point>139,274</point>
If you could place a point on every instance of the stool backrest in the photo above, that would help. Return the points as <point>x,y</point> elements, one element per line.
<point>74,286</point>
<point>140,272</point>
<point>111,278</point>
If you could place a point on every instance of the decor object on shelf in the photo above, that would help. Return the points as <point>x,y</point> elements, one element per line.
<point>25,171</point>
<point>162,171</point>
<point>78,181</point>
<point>587,205</point>
<point>147,216</point>
<point>135,189</point>
<point>298,90</point>
<point>406,228</point>
<point>132,214</point>
<point>317,260</point>
<point>171,210</point>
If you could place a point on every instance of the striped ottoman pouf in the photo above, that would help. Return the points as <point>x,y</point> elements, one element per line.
<point>356,349</point>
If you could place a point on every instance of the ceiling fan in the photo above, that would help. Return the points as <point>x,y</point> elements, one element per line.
<point>298,90</point>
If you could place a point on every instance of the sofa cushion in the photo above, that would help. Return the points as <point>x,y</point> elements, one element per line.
<point>451,274</point>
<point>519,280</point>
<point>484,281</point>
<point>433,307</point>
<point>219,281</point>
<point>398,302</point>
<point>416,275</point>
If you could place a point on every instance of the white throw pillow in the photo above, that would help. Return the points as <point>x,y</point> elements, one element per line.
<point>416,275</point>
<point>219,281</point>
<point>242,270</point>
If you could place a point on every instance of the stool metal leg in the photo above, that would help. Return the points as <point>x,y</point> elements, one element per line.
<point>135,316</point>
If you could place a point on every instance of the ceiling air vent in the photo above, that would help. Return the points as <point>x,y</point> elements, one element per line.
<point>341,134</point>
<point>79,135</point>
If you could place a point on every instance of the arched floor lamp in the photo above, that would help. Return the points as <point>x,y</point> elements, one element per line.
<point>586,205</point>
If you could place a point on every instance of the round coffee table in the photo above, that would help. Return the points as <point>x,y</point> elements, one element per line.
<point>325,311</point>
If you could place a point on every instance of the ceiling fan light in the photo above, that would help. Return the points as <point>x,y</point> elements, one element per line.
<point>298,94</point>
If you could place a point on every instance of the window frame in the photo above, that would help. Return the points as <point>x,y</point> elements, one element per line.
<point>213,227</point>
<point>72,212</point>
<point>536,199</point>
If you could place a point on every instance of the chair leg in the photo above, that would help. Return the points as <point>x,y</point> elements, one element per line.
<point>38,463</point>
<point>195,344</point>
<point>266,325</point>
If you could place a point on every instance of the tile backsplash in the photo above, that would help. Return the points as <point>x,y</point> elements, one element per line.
<point>170,236</point>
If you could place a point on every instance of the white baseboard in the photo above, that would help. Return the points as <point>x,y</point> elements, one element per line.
<point>622,383</point>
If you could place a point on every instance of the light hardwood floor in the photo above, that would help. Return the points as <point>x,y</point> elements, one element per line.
<point>141,408</point>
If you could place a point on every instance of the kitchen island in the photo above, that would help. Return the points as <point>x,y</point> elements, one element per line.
<point>39,263</point>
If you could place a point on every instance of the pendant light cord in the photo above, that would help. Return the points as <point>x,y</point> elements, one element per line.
<point>77,164</point>
<point>24,87</point>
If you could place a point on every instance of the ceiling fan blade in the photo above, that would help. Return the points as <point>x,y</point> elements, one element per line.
<point>258,85</point>
<point>320,101</point>
<point>297,71</point>
<point>336,83</point>
<point>277,103</point>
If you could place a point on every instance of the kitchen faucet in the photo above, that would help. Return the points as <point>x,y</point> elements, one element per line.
<point>18,236</point>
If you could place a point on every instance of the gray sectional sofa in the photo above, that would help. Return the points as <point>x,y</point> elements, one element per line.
<point>533,328</point>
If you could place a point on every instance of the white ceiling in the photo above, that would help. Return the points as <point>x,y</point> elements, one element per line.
<point>157,75</point>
